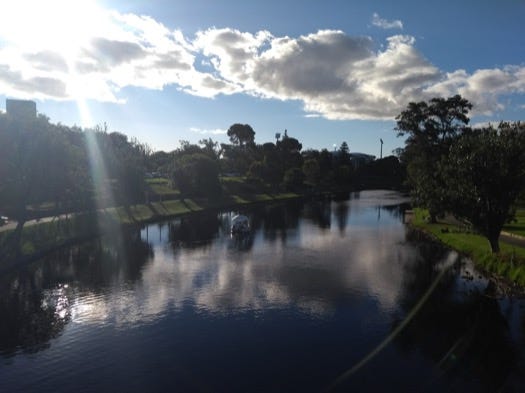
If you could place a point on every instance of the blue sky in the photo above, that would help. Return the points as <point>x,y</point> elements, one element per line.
<point>327,71</point>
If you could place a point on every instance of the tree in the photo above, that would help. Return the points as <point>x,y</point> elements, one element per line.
<point>484,175</point>
<point>197,174</point>
<point>343,155</point>
<point>241,134</point>
<point>30,153</point>
<point>311,171</point>
<point>293,178</point>
<point>210,147</point>
<point>431,127</point>
<point>290,152</point>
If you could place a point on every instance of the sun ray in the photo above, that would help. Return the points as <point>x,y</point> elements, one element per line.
<point>103,193</point>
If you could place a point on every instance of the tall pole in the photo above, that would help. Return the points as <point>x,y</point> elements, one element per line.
<point>381,154</point>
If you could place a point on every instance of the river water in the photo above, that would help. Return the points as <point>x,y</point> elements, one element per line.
<point>322,296</point>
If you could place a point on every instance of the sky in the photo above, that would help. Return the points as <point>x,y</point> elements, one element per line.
<point>327,71</point>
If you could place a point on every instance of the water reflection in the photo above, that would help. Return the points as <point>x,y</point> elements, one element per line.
<point>36,303</point>
<point>314,280</point>
<point>196,230</point>
<point>320,213</point>
<point>466,336</point>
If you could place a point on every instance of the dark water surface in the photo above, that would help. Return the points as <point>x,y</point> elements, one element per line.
<point>316,288</point>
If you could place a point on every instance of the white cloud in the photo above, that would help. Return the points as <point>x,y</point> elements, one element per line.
<point>483,87</point>
<point>334,75</point>
<point>214,131</point>
<point>386,24</point>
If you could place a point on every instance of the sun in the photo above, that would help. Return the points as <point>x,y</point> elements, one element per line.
<point>61,26</point>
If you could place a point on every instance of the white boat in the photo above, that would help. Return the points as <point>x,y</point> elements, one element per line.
<point>240,224</point>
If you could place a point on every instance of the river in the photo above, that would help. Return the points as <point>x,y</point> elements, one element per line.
<point>325,295</point>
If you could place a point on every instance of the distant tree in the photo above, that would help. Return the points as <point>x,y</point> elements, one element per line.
<point>290,152</point>
<point>431,127</point>
<point>385,173</point>
<point>289,145</point>
<point>484,176</point>
<point>343,154</point>
<point>257,170</point>
<point>210,147</point>
<point>236,159</point>
<point>159,161</point>
<point>325,162</point>
<point>188,148</point>
<point>241,134</point>
<point>126,163</point>
<point>311,171</point>
<point>196,174</point>
<point>293,178</point>
<point>310,154</point>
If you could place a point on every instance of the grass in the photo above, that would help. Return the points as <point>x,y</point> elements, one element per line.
<point>236,191</point>
<point>157,180</point>
<point>517,226</point>
<point>160,187</point>
<point>232,179</point>
<point>509,263</point>
<point>47,235</point>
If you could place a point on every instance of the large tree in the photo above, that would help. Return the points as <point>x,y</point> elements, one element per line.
<point>430,128</point>
<point>241,134</point>
<point>484,175</point>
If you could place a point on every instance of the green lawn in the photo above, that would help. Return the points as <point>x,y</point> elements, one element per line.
<point>236,191</point>
<point>509,263</point>
<point>160,187</point>
<point>157,180</point>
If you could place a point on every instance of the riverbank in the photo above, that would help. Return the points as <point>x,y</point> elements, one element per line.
<point>508,264</point>
<point>43,236</point>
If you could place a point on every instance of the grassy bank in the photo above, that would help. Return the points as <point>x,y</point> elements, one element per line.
<point>172,208</point>
<point>508,264</point>
<point>43,237</point>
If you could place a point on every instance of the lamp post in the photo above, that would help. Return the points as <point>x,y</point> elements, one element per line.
<point>381,154</point>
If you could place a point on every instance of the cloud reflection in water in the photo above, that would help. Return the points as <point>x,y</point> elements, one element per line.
<point>311,269</point>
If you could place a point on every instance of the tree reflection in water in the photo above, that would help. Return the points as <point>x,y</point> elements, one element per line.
<point>195,230</point>
<point>319,212</point>
<point>35,301</point>
<point>279,221</point>
<point>342,213</point>
<point>466,336</point>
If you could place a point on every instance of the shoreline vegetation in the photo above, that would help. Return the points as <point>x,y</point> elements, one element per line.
<point>60,183</point>
<point>506,268</point>
<point>40,238</point>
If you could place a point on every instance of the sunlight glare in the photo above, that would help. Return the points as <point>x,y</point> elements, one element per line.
<point>59,25</point>
<point>86,120</point>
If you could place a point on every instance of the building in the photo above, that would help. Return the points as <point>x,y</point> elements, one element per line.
<point>20,109</point>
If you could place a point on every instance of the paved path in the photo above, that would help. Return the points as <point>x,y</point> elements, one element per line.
<point>512,238</point>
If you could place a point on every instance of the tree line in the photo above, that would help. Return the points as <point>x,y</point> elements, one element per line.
<point>283,165</point>
<point>72,169</point>
<point>60,166</point>
<point>475,174</point>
